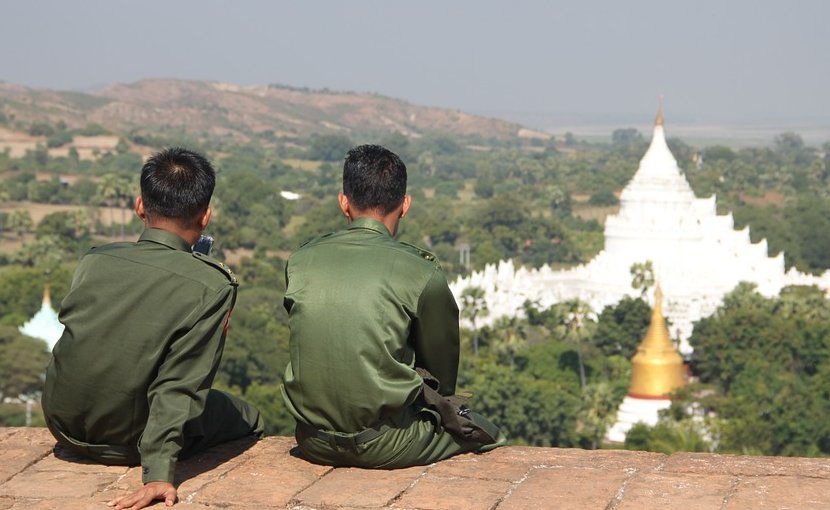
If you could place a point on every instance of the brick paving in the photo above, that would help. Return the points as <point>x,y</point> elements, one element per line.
<point>267,474</point>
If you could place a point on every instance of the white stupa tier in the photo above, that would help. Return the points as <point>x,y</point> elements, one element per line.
<point>44,324</point>
<point>635,410</point>
<point>697,255</point>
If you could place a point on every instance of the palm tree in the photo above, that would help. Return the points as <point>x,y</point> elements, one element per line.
<point>597,412</point>
<point>575,321</point>
<point>4,197</point>
<point>510,338</point>
<point>682,436</point>
<point>108,196</point>
<point>474,305</point>
<point>115,191</point>
<point>642,276</point>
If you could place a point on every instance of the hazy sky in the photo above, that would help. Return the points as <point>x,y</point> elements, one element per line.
<point>713,60</point>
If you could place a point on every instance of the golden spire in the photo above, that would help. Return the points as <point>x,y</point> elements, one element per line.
<point>657,368</point>
<point>47,297</point>
<point>658,119</point>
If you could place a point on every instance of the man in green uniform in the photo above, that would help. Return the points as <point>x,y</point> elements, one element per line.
<point>365,311</point>
<point>129,381</point>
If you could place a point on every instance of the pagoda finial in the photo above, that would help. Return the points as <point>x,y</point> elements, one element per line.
<point>658,119</point>
<point>658,297</point>
<point>47,296</point>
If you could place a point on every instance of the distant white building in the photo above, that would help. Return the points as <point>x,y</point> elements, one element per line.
<point>697,255</point>
<point>44,324</point>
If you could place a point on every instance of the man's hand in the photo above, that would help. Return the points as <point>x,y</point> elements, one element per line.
<point>146,495</point>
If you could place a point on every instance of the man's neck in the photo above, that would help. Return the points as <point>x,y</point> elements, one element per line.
<point>190,235</point>
<point>390,221</point>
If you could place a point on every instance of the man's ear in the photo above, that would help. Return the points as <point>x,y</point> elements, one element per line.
<point>204,219</point>
<point>407,203</point>
<point>139,209</point>
<point>343,201</point>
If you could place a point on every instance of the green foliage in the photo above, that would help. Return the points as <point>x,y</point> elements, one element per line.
<point>93,129</point>
<point>768,359</point>
<point>329,147</point>
<point>41,129</point>
<point>642,276</point>
<point>21,290</point>
<point>627,136</point>
<point>14,415</point>
<point>22,363</point>
<point>257,344</point>
<point>667,437</point>
<point>268,399</point>
<point>20,222</point>
<point>530,411</point>
<point>604,198</point>
<point>549,352</point>
<point>793,228</point>
<point>249,211</point>
<point>59,139</point>
<point>484,187</point>
<point>621,327</point>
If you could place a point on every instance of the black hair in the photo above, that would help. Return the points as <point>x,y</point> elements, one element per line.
<point>374,178</point>
<point>177,183</point>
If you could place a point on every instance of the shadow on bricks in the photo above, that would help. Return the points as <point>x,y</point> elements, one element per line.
<point>186,469</point>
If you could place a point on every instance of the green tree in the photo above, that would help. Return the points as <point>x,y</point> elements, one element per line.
<point>575,321</point>
<point>604,198</point>
<point>59,139</point>
<point>268,399</point>
<point>626,137</point>
<point>668,437</point>
<point>474,305</point>
<point>20,222</point>
<point>45,253</point>
<point>22,363</point>
<point>509,338</point>
<point>256,350</point>
<point>766,358</point>
<point>621,327</point>
<point>597,412</point>
<point>330,147</point>
<point>642,276</point>
<point>116,191</point>
<point>529,410</point>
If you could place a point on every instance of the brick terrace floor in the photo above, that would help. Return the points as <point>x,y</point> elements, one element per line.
<point>243,475</point>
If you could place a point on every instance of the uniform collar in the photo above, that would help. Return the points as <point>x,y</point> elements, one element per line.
<point>169,239</point>
<point>370,224</point>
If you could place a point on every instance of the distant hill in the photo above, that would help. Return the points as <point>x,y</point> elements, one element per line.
<point>237,113</point>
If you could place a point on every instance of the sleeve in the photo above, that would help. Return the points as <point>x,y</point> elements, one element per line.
<point>436,337</point>
<point>181,386</point>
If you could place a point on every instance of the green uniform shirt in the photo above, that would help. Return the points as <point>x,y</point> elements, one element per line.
<point>145,328</point>
<point>364,310</point>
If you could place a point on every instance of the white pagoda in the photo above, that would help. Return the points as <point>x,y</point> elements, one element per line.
<point>697,255</point>
<point>44,324</point>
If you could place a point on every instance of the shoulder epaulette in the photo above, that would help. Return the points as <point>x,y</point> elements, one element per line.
<point>421,252</point>
<point>218,264</point>
<point>316,238</point>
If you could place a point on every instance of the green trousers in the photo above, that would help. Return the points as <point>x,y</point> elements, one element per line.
<point>224,419</point>
<point>412,438</point>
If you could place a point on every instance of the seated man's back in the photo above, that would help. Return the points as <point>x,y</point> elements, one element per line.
<point>134,307</point>
<point>145,325</point>
<point>364,312</point>
<point>359,301</point>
